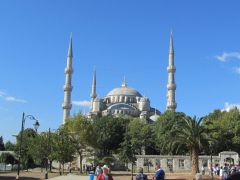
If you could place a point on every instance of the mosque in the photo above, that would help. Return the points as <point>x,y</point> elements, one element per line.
<point>122,101</point>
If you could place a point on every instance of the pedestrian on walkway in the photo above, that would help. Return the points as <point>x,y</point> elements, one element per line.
<point>105,175</point>
<point>140,175</point>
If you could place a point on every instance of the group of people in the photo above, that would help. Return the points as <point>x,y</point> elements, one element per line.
<point>224,171</point>
<point>159,174</point>
<point>103,173</point>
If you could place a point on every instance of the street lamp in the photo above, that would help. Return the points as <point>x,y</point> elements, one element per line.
<point>35,125</point>
<point>49,151</point>
<point>210,147</point>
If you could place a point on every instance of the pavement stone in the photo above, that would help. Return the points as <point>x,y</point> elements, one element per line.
<point>71,177</point>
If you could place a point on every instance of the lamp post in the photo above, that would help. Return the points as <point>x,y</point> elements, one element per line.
<point>210,147</point>
<point>49,150</point>
<point>35,125</point>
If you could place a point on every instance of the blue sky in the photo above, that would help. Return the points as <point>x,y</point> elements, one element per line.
<point>127,37</point>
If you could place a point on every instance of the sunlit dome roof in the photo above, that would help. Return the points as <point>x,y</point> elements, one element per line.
<point>124,91</point>
<point>154,117</point>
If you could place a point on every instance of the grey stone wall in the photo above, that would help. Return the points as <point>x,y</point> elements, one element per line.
<point>183,163</point>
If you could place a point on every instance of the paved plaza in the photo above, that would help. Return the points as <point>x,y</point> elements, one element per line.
<point>71,177</point>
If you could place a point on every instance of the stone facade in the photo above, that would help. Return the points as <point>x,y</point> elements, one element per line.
<point>183,163</point>
<point>122,101</point>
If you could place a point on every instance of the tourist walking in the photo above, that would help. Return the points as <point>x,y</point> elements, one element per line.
<point>140,175</point>
<point>159,174</point>
<point>105,175</point>
<point>98,170</point>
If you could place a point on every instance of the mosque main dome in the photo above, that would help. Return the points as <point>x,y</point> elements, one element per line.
<point>124,91</point>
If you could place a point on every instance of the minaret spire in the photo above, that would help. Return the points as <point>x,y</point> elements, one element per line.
<point>124,84</point>
<point>94,93</point>
<point>171,86</point>
<point>68,86</point>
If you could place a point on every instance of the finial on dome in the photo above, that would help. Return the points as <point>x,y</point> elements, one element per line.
<point>124,84</point>
<point>155,111</point>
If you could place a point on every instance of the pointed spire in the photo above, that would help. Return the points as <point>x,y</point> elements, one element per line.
<point>70,53</point>
<point>155,111</point>
<point>171,86</point>
<point>68,85</point>
<point>124,84</point>
<point>94,82</point>
<point>171,49</point>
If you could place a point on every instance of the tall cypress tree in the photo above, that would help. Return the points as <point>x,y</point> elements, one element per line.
<point>2,147</point>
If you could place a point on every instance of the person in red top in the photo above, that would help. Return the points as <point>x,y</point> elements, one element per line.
<point>105,175</point>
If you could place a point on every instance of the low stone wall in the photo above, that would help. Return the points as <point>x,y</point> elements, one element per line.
<point>183,163</point>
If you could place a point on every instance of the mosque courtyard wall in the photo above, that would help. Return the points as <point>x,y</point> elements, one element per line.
<point>176,163</point>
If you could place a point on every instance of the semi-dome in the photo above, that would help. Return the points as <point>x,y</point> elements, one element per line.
<point>154,117</point>
<point>124,91</point>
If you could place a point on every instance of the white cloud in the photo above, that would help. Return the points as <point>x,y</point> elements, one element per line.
<point>228,55</point>
<point>81,103</point>
<point>229,106</point>
<point>13,99</point>
<point>8,98</point>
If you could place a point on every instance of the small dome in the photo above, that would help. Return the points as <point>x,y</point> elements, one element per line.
<point>143,99</point>
<point>154,117</point>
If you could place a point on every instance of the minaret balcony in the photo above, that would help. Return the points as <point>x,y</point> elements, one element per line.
<point>171,86</point>
<point>67,87</point>
<point>68,70</point>
<point>172,106</point>
<point>171,69</point>
<point>66,105</point>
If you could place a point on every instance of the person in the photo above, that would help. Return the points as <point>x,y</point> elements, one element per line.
<point>224,172</point>
<point>203,170</point>
<point>140,175</point>
<point>98,170</point>
<point>159,174</point>
<point>198,176</point>
<point>105,175</point>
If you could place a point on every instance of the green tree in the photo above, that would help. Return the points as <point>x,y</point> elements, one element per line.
<point>41,148</point>
<point>227,134</point>
<point>63,149</point>
<point>191,133</point>
<point>27,138</point>
<point>163,133</point>
<point>9,146</point>
<point>108,134</point>
<point>138,137</point>
<point>80,130</point>
<point>2,147</point>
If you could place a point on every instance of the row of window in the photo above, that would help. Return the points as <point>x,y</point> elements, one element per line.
<point>114,99</point>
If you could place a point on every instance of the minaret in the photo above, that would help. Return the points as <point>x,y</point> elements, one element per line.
<point>93,94</point>
<point>68,86</point>
<point>171,86</point>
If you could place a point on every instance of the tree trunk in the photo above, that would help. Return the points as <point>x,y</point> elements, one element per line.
<point>195,165</point>
<point>80,163</point>
<point>60,168</point>
<point>50,166</point>
<point>132,172</point>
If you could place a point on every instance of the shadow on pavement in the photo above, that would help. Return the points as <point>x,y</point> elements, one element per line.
<point>14,177</point>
